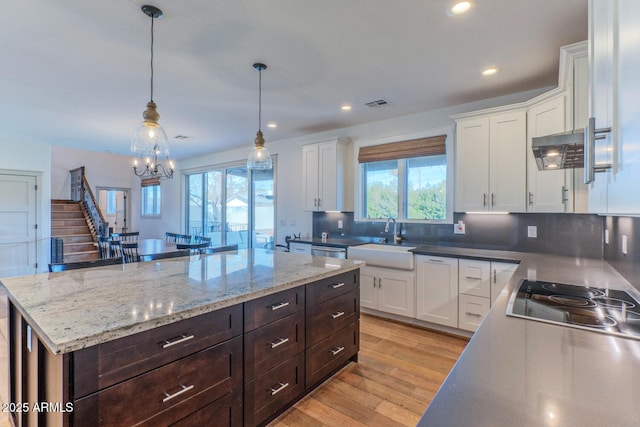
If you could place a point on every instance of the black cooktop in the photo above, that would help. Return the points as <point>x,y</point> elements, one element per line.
<point>609,311</point>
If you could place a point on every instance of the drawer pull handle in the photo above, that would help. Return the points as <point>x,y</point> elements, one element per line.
<point>435,260</point>
<point>184,389</point>
<point>473,314</point>
<point>337,285</point>
<point>337,350</point>
<point>281,387</point>
<point>183,338</point>
<point>473,278</point>
<point>279,306</point>
<point>279,342</point>
<point>337,314</point>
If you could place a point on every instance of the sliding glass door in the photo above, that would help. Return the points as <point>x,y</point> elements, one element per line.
<point>232,205</point>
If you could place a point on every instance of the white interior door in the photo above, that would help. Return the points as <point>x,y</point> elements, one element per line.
<point>18,238</point>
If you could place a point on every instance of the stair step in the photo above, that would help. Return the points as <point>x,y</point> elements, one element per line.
<point>81,256</point>
<point>69,231</point>
<point>66,214</point>
<point>78,247</point>
<point>76,238</point>
<point>75,207</point>
<point>68,222</point>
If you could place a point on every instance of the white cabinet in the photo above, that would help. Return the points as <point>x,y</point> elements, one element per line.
<point>479,284</point>
<point>300,248</point>
<point>550,190</point>
<point>388,290</point>
<point>324,176</point>
<point>437,289</point>
<point>490,159</point>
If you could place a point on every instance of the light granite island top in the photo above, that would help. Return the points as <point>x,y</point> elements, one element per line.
<point>80,308</point>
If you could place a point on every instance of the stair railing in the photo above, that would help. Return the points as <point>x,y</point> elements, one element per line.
<point>81,192</point>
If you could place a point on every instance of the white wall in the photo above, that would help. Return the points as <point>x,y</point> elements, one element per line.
<point>289,190</point>
<point>33,157</point>
<point>113,170</point>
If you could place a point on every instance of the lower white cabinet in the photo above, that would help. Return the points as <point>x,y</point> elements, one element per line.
<point>437,290</point>
<point>388,290</point>
<point>471,311</point>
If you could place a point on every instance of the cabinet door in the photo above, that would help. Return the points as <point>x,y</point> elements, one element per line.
<point>501,272</point>
<point>310,175</point>
<point>601,90</point>
<point>327,176</point>
<point>472,165</point>
<point>396,292</point>
<point>368,288</point>
<point>437,290</point>
<point>548,191</point>
<point>474,277</point>
<point>508,156</point>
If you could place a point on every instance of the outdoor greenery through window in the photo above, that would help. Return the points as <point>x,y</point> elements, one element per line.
<point>411,189</point>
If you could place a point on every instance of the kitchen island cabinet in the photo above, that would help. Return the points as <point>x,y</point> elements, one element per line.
<point>178,341</point>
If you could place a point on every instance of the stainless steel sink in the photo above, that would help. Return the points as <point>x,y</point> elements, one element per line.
<point>388,256</point>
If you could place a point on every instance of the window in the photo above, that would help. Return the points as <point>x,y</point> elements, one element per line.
<point>232,205</point>
<point>406,180</point>
<point>151,199</point>
<point>111,202</point>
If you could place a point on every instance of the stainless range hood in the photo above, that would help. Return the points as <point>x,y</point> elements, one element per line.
<point>573,149</point>
<point>559,151</point>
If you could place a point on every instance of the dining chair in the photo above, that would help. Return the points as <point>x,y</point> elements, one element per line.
<point>103,247</point>
<point>115,248</point>
<point>130,251</point>
<point>131,236</point>
<point>170,237</point>
<point>55,268</point>
<point>183,238</point>
<point>164,255</point>
<point>202,239</point>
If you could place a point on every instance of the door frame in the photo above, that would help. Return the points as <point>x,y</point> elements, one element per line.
<point>127,202</point>
<point>42,245</point>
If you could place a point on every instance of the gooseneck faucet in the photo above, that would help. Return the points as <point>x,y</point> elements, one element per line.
<point>396,239</point>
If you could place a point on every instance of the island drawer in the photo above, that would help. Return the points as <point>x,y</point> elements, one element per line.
<point>270,308</point>
<point>331,287</point>
<point>172,391</point>
<point>226,411</point>
<point>330,354</point>
<point>103,365</point>
<point>329,317</point>
<point>268,346</point>
<point>270,393</point>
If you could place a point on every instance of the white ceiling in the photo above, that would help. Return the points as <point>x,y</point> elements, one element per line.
<point>76,73</point>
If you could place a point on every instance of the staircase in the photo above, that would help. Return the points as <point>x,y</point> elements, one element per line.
<point>69,223</point>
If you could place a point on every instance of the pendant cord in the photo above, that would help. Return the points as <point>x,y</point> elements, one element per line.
<point>152,19</point>
<point>260,100</point>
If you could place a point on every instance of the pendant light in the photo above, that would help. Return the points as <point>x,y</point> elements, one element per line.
<point>259,157</point>
<point>150,140</point>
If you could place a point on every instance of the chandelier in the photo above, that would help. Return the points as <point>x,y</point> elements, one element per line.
<point>150,140</point>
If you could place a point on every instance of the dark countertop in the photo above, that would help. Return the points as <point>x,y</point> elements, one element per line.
<point>477,254</point>
<point>341,242</point>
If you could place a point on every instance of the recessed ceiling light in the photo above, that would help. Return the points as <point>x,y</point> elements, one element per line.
<point>489,71</point>
<point>272,125</point>
<point>459,7</point>
<point>346,108</point>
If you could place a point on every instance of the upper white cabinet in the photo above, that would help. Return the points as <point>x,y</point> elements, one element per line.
<point>324,176</point>
<point>490,159</point>
<point>550,190</point>
<point>437,290</point>
<point>615,90</point>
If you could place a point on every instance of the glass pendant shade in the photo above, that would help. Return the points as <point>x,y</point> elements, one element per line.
<point>259,157</point>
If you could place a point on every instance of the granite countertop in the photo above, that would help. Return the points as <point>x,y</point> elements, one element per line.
<point>336,242</point>
<point>80,308</point>
<point>518,372</point>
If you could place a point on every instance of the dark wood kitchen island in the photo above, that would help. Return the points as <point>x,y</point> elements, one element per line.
<point>225,339</point>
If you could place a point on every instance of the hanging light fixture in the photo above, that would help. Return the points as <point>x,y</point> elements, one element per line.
<point>259,157</point>
<point>150,140</point>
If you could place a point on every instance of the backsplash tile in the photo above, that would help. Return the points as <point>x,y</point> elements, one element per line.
<point>558,234</point>
<point>628,265</point>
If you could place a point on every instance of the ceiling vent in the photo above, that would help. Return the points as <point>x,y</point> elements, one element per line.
<point>378,103</point>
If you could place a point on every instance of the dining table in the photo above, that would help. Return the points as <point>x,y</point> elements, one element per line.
<point>155,246</point>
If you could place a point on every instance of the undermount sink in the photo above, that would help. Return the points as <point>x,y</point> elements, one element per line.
<point>383,255</point>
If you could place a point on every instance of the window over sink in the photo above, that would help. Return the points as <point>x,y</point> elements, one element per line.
<point>408,180</point>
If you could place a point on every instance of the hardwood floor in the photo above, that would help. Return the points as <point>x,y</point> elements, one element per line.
<point>399,370</point>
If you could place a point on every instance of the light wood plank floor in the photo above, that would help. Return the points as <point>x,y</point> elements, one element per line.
<point>399,370</point>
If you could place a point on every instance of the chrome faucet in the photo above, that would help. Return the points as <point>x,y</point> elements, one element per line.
<point>396,239</point>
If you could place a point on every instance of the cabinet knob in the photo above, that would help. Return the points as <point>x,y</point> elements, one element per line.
<point>484,199</point>
<point>493,199</point>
